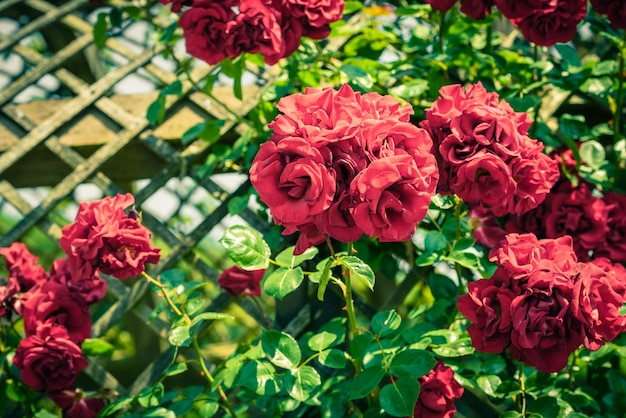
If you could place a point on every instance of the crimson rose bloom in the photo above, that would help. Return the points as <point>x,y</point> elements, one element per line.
<point>22,266</point>
<point>255,29</point>
<point>237,281</point>
<point>104,238</point>
<point>438,391</point>
<point>204,29</point>
<point>315,16</point>
<point>615,10</point>
<point>7,292</point>
<point>476,9</point>
<point>545,22</point>
<point>49,359</point>
<point>92,289</point>
<point>53,303</point>
<point>614,245</point>
<point>75,405</point>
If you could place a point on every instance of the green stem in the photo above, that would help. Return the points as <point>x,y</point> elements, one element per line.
<point>522,384</point>
<point>168,300</point>
<point>442,32</point>
<point>210,379</point>
<point>617,120</point>
<point>349,299</point>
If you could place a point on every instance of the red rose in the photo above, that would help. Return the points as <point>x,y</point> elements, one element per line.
<point>384,108</point>
<point>53,303</point>
<point>236,281</point>
<point>536,176</point>
<point>92,289</point>
<point>545,331</point>
<point>7,291</point>
<point>75,405</point>
<point>292,179</point>
<point>104,238</point>
<point>514,9</point>
<point>438,391</point>
<point>441,5</point>
<point>485,183</point>
<point>614,245</point>
<point>487,231</point>
<point>554,21</point>
<point>615,10</point>
<point>487,305</point>
<point>391,197</point>
<point>476,9</point>
<point>204,29</point>
<point>315,15</point>
<point>598,297</point>
<point>256,29</point>
<point>22,266</point>
<point>575,212</point>
<point>49,360</point>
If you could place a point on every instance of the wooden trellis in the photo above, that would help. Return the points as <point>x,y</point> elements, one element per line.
<point>99,137</point>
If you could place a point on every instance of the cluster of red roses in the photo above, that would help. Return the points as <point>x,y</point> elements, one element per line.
<point>542,22</point>
<point>438,391</point>
<point>54,306</point>
<point>597,224</point>
<point>542,304</point>
<point>214,31</point>
<point>484,153</point>
<point>343,164</point>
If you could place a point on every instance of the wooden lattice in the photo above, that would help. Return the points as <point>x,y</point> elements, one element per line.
<point>99,137</point>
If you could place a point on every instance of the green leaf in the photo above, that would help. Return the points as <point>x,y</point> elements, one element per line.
<point>116,16</point>
<point>246,247</point>
<point>385,323</point>
<point>333,358</point>
<point>465,259</point>
<point>507,389</point>
<point>181,407</point>
<point>435,241</point>
<point>120,404</point>
<point>568,56</point>
<point>193,133</point>
<point>238,204</point>
<point>282,281</point>
<point>259,377</point>
<point>171,279</point>
<point>411,363</point>
<point>151,396</point>
<point>175,88</point>
<point>426,259</point>
<point>212,130</point>
<point>359,269</point>
<point>592,153</point>
<point>159,413</point>
<point>156,110</point>
<point>360,344</point>
<point>208,409</point>
<point>352,7</point>
<point>489,384</point>
<point>209,316</point>
<point>456,348</point>
<point>398,398</point>
<point>287,259</point>
<point>604,68</point>
<point>364,383</point>
<point>43,413</point>
<point>180,336</point>
<point>597,86</point>
<point>96,347</point>
<point>175,369</point>
<point>322,341</point>
<point>100,31</point>
<point>281,349</point>
<point>357,76</point>
<point>302,383</point>
<point>323,278</point>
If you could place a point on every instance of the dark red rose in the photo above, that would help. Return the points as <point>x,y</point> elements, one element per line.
<point>614,246</point>
<point>441,5</point>
<point>105,238</point>
<point>7,292</point>
<point>485,183</point>
<point>514,9</point>
<point>292,178</point>
<point>615,10</point>
<point>392,197</point>
<point>75,405</point>
<point>576,212</point>
<point>49,359</point>
<point>22,266</point>
<point>238,282</point>
<point>438,391</point>
<point>554,21</point>
<point>598,297</point>
<point>476,9</point>
<point>92,289</point>
<point>487,305</point>
<point>535,178</point>
<point>204,29</point>
<point>315,15</point>
<point>53,303</point>
<point>256,29</point>
<point>487,231</point>
<point>545,330</point>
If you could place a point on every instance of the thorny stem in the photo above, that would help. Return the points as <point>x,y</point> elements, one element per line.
<point>348,297</point>
<point>267,321</point>
<point>620,91</point>
<point>194,341</point>
<point>522,385</point>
